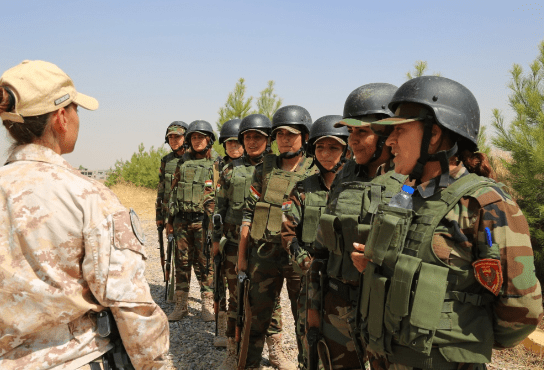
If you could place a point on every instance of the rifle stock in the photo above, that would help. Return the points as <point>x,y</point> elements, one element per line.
<point>169,250</point>
<point>243,331</point>
<point>161,249</point>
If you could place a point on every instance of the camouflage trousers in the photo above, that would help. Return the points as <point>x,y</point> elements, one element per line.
<point>229,271</point>
<point>191,253</point>
<point>268,266</point>
<point>178,256</point>
<point>380,362</point>
<point>337,311</point>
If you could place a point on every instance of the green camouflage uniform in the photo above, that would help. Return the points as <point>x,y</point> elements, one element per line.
<point>235,178</point>
<point>301,215</point>
<point>268,262</point>
<point>444,310</point>
<point>340,290</point>
<point>191,244</point>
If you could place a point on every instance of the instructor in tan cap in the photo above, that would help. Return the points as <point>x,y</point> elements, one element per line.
<point>72,288</point>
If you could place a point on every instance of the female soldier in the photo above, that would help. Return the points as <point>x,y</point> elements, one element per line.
<point>452,276</point>
<point>69,251</point>
<point>194,179</point>
<point>308,198</point>
<point>268,261</point>
<point>232,190</point>
<point>338,230</point>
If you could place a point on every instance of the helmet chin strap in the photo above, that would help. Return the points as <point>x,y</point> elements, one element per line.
<point>210,144</point>
<point>336,167</point>
<point>290,155</point>
<point>443,156</point>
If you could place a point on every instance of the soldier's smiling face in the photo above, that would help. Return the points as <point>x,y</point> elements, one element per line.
<point>234,149</point>
<point>255,143</point>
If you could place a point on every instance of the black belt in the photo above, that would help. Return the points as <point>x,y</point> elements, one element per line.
<point>192,216</point>
<point>347,292</point>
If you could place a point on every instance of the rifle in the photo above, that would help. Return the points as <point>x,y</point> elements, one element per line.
<point>116,358</point>
<point>161,248</point>
<point>314,334</point>
<point>243,319</point>
<point>218,282</point>
<point>169,250</point>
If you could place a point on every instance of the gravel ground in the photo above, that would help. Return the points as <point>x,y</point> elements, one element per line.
<point>191,339</point>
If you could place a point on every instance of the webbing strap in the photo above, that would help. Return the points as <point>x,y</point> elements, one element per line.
<point>406,356</point>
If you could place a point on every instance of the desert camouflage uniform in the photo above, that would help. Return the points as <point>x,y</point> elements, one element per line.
<point>457,241</point>
<point>67,251</point>
<point>230,251</point>
<point>268,264</point>
<point>338,309</point>
<point>292,226</point>
<point>191,244</point>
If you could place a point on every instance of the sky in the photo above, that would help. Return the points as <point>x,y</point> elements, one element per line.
<point>149,63</point>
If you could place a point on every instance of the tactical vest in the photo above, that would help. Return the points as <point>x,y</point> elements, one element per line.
<point>413,307</point>
<point>277,185</point>
<point>314,204</point>
<point>171,162</point>
<point>240,183</point>
<point>347,221</point>
<point>193,176</point>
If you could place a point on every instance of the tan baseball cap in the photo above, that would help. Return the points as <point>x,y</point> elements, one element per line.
<point>332,137</point>
<point>288,128</point>
<point>352,122</point>
<point>39,88</point>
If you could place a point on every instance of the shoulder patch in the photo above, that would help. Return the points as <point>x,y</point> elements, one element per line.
<point>137,226</point>
<point>286,206</point>
<point>208,183</point>
<point>254,193</point>
<point>488,272</point>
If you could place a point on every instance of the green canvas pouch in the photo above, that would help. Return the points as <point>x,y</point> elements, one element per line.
<point>401,284</point>
<point>260,219</point>
<point>429,296</point>
<point>329,225</point>
<point>312,216</point>
<point>239,191</point>
<point>276,190</point>
<point>376,312</point>
<point>274,219</point>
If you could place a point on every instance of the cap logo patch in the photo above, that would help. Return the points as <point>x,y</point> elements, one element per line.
<point>62,99</point>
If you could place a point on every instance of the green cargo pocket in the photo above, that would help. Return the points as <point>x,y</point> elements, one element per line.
<point>187,190</point>
<point>311,221</point>
<point>330,224</point>
<point>389,228</point>
<point>238,193</point>
<point>260,219</point>
<point>427,308</point>
<point>378,292</point>
<point>274,219</point>
<point>276,189</point>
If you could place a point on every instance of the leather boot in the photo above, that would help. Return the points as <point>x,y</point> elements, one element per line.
<point>276,356</point>
<point>180,310</point>
<point>221,339</point>
<point>207,306</point>
<point>231,360</point>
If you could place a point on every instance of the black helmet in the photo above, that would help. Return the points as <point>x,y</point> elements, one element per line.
<point>203,127</point>
<point>200,126</point>
<point>258,122</point>
<point>292,115</point>
<point>175,124</point>
<point>229,130</point>
<point>453,105</point>
<point>369,99</point>
<point>324,126</point>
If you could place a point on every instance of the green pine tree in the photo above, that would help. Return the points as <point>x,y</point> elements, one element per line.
<point>268,103</point>
<point>420,67</point>
<point>237,106</point>
<point>524,140</point>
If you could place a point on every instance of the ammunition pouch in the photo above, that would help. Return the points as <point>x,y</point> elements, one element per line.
<point>116,358</point>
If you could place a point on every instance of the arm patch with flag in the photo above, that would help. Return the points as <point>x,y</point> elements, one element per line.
<point>286,206</point>
<point>208,183</point>
<point>254,193</point>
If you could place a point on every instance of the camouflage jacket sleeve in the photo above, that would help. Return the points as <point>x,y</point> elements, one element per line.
<point>159,216</point>
<point>254,194</point>
<point>292,216</point>
<point>222,200</point>
<point>114,266</point>
<point>461,240</point>
<point>518,309</point>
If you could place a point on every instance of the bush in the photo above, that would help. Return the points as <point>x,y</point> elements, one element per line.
<point>141,170</point>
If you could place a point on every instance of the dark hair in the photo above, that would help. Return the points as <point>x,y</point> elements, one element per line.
<point>27,132</point>
<point>477,163</point>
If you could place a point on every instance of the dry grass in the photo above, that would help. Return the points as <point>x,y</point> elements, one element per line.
<point>141,199</point>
